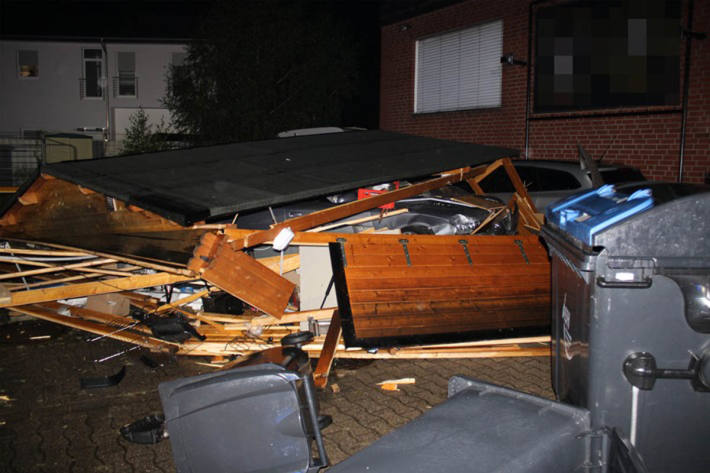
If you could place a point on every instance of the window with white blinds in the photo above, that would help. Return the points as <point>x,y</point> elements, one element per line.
<point>459,70</point>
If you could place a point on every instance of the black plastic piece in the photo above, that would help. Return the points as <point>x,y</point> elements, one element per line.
<point>623,457</point>
<point>148,430</point>
<point>173,329</point>
<point>641,371</point>
<point>103,381</point>
<point>223,303</point>
<point>149,362</point>
<point>324,421</point>
<point>297,339</point>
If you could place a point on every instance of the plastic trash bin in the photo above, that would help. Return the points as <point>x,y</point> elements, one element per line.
<point>631,316</point>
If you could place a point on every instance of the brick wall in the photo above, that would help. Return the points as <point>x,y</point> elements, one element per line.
<point>650,141</point>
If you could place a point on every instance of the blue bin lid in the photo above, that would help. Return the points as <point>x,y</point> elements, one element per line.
<point>584,215</point>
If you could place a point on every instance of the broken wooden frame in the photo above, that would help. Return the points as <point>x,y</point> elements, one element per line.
<point>58,214</point>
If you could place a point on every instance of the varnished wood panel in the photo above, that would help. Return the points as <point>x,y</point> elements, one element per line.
<point>241,275</point>
<point>403,289</point>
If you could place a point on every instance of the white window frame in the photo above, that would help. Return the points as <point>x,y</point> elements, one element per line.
<point>441,99</point>
<point>101,79</point>
<point>118,93</point>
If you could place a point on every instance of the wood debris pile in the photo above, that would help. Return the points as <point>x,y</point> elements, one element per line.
<point>63,242</point>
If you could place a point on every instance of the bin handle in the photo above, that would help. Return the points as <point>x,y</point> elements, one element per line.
<point>643,284</point>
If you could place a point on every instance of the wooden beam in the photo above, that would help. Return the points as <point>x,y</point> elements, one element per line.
<point>93,288</point>
<point>345,210</point>
<point>327,354</point>
<point>517,182</point>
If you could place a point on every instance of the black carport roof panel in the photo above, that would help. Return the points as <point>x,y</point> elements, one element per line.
<point>194,184</point>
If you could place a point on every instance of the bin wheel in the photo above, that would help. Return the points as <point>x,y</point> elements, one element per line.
<point>296,339</point>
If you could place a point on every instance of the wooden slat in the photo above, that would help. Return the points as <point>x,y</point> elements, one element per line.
<point>53,269</point>
<point>176,269</point>
<point>93,288</point>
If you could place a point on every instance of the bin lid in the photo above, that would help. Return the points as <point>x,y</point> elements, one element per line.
<point>668,222</point>
<point>584,215</point>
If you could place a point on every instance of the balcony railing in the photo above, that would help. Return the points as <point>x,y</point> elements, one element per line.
<point>125,86</point>
<point>91,88</point>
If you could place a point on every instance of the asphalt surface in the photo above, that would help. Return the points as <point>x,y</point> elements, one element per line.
<point>49,424</point>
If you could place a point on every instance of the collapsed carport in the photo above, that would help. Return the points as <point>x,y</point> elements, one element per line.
<point>168,218</point>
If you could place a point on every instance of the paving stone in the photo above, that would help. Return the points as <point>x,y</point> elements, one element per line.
<point>53,425</point>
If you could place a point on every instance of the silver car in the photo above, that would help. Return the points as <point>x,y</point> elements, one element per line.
<point>548,181</point>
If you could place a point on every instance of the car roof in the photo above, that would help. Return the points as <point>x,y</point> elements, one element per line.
<point>572,166</point>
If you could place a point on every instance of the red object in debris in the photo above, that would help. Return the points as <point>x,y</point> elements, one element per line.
<point>363,193</point>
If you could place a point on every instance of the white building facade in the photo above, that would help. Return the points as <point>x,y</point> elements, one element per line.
<point>83,86</point>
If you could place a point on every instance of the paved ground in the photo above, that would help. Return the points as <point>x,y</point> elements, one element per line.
<point>49,424</point>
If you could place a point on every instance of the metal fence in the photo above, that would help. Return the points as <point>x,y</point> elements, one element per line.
<point>19,158</point>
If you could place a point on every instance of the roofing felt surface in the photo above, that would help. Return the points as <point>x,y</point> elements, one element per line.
<point>194,184</point>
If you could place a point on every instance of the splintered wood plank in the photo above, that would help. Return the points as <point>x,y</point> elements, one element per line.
<point>327,354</point>
<point>93,288</point>
<point>404,289</point>
<point>241,275</point>
<point>96,328</point>
<point>157,266</point>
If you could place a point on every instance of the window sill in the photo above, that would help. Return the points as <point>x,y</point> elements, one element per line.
<point>607,112</point>
<point>461,110</point>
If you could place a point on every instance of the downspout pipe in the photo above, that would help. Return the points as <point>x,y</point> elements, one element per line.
<point>528,86</point>
<point>686,89</point>
<point>107,77</point>
<point>528,81</point>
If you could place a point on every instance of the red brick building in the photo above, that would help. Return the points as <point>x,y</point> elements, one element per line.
<point>617,90</point>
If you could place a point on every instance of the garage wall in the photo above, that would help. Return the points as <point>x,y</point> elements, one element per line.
<point>648,138</point>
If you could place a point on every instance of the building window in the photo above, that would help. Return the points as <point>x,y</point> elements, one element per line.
<point>93,80</point>
<point>459,70</point>
<point>607,54</point>
<point>125,85</point>
<point>28,63</point>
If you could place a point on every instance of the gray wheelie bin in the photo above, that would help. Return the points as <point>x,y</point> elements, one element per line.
<point>631,316</point>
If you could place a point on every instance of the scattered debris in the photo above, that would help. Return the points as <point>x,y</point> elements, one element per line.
<point>146,431</point>
<point>103,381</point>
<point>393,384</point>
<point>408,278</point>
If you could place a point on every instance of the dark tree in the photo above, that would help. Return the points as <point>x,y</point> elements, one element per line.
<point>261,67</point>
